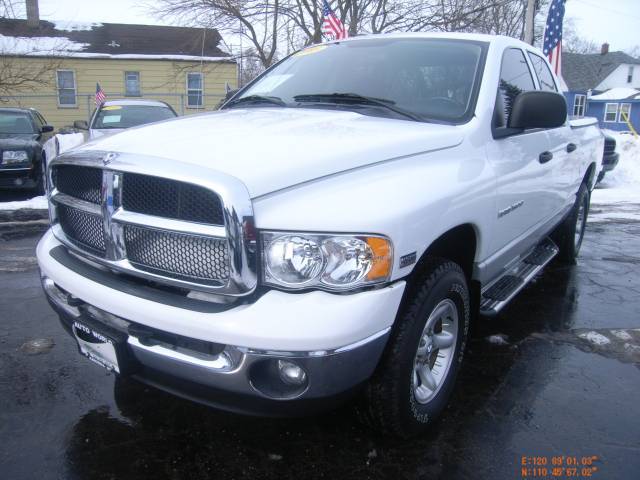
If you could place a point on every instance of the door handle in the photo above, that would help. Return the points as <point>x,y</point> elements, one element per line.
<point>571,147</point>
<point>545,157</point>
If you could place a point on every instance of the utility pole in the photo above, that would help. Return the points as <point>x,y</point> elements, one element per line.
<point>529,16</point>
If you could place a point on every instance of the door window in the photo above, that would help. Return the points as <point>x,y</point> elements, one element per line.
<point>515,77</point>
<point>545,78</point>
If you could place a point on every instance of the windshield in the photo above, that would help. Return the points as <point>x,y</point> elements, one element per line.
<point>431,78</point>
<point>15,122</point>
<point>126,116</point>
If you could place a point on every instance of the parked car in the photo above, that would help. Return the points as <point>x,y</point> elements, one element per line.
<point>110,117</point>
<point>332,231</point>
<point>114,116</point>
<point>609,158</point>
<point>23,131</point>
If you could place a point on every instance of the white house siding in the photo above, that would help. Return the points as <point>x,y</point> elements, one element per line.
<point>618,78</point>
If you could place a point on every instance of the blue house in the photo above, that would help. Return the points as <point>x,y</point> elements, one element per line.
<point>604,86</point>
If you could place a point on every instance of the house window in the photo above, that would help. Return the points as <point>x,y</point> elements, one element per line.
<point>194,90</point>
<point>132,84</point>
<point>625,112</point>
<point>66,85</point>
<point>630,74</point>
<point>579,103</point>
<point>611,112</point>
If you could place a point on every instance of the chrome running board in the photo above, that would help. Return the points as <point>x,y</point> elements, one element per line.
<point>499,293</point>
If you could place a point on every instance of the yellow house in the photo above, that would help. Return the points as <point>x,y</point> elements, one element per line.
<point>55,67</point>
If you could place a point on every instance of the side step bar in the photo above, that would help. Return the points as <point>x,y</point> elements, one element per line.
<point>497,295</point>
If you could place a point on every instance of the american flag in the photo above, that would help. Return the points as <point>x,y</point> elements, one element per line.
<point>332,27</point>
<point>100,95</point>
<point>552,46</point>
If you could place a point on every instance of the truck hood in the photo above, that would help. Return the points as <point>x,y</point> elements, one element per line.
<point>274,148</point>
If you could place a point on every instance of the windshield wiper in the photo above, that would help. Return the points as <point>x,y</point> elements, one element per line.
<point>257,99</point>
<point>356,99</point>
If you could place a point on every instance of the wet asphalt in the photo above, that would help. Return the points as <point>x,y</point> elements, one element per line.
<point>546,385</point>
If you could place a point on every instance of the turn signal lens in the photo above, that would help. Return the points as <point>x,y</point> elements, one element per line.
<point>382,259</point>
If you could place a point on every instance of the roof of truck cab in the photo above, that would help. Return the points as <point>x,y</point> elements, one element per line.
<point>477,37</point>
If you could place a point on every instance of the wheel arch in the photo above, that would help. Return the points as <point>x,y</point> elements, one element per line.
<point>458,244</point>
<point>590,175</point>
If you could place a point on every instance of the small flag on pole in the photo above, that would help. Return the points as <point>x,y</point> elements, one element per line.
<point>332,27</point>
<point>552,46</point>
<point>100,95</point>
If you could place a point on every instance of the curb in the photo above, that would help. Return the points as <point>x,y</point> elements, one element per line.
<point>18,223</point>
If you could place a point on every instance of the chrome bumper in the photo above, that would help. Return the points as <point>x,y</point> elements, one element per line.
<point>251,374</point>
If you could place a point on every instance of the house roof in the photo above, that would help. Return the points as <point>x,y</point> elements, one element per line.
<point>582,72</point>
<point>110,40</point>
<point>620,93</point>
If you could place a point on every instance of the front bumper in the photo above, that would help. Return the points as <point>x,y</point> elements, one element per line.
<point>336,339</point>
<point>17,178</point>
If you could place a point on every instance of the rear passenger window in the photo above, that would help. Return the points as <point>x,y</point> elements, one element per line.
<point>515,77</point>
<point>544,74</point>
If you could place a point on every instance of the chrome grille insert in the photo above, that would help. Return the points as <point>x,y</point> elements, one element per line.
<point>83,228</point>
<point>158,219</point>
<point>80,182</point>
<point>192,203</point>
<point>189,257</point>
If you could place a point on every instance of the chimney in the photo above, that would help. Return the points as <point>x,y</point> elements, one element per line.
<point>33,14</point>
<point>605,49</point>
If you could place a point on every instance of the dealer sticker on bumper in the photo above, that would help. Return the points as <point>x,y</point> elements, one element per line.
<point>96,347</point>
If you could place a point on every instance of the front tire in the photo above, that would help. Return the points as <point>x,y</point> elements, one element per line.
<point>417,373</point>
<point>570,233</point>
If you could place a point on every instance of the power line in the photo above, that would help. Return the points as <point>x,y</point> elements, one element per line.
<point>617,12</point>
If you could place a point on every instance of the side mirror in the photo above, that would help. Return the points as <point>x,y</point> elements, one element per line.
<point>537,109</point>
<point>81,125</point>
<point>46,129</point>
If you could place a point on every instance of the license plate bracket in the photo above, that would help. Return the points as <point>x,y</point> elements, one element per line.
<point>97,344</point>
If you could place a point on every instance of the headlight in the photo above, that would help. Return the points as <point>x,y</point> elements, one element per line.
<point>333,262</point>
<point>10,157</point>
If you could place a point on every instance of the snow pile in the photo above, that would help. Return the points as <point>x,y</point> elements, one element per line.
<point>49,46</point>
<point>38,203</point>
<point>620,93</point>
<point>623,183</point>
<point>68,141</point>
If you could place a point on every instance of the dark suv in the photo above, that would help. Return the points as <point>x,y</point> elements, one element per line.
<point>23,131</point>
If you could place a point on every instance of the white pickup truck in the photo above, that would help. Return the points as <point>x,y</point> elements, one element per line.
<point>332,231</point>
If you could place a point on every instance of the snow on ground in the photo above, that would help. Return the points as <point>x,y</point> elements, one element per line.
<point>622,185</point>
<point>35,202</point>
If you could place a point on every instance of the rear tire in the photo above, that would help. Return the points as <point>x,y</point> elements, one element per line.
<point>409,389</point>
<point>570,233</point>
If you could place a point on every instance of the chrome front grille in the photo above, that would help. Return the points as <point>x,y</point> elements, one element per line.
<point>161,226</point>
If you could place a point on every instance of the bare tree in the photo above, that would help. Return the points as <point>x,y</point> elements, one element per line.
<point>11,8</point>
<point>256,21</point>
<point>574,43</point>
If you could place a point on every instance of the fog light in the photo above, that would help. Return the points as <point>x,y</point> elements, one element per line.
<point>290,373</point>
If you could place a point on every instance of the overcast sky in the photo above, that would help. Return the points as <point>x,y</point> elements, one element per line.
<point>616,22</point>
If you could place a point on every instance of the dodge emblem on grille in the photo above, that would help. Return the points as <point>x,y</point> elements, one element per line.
<point>108,158</point>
